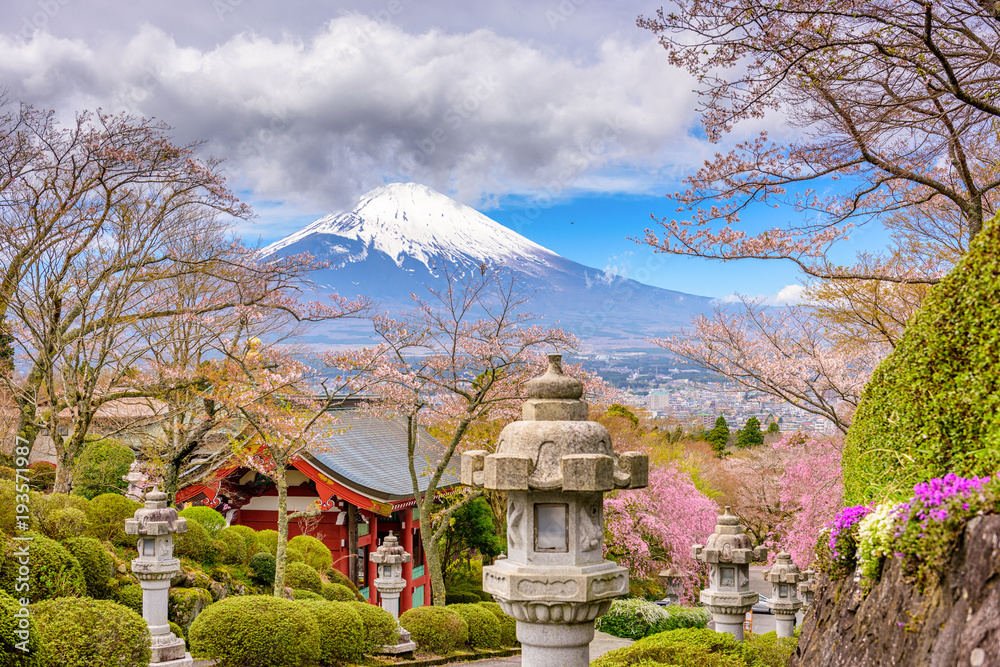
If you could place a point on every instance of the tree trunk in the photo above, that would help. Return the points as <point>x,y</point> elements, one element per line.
<point>281,483</point>
<point>432,554</point>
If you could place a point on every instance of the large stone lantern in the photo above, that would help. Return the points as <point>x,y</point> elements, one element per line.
<point>389,583</point>
<point>555,466</point>
<point>728,553</point>
<point>784,602</point>
<point>155,525</point>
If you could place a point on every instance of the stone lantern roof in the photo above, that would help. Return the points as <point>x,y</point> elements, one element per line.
<point>728,544</point>
<point>156,517</point>
<point>390,552</point>
<point>784,571</point>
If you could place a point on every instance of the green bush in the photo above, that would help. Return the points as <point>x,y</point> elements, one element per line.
<point>178,631</point>
<point>7,472</point>
<point>186,604</point>
<point>256,631</point>
<point>380,627</point>
<point>635,618</point>
<point>294,556</point>
<point>42,475</point>
<point>81,632</point>
<point>213,522</point>
<point>97,565</point>
<point>300,575</point>
<point>193,544</point>
<point>261,568</point>
<point>48,514</point>
<point>314,553</point>
<point>234,547</point>
<point>338,593</point>
<point>130,595</point>
<point>299,594</point>
<point>341,632</point>
<point>338,577</point>
<point>249,536</point>
<point>100,468</point>
<point>9,500</point>
<point>435,629</point>
<point>107,514</point>
<point>701,647</point>
<point>484,631</point>
<point>16,628</point>
<point>268,541</point>
<point>508,624</point>
<point>66,523</point>
<point>933,405</point>
<point>53,573</point>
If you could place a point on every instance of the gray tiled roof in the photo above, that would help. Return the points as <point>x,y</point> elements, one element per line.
<point>370,456</point>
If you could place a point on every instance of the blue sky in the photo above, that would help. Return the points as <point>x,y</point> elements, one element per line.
<point>493,104</point>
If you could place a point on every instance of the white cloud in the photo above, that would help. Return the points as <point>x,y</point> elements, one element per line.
<point>789,295</point>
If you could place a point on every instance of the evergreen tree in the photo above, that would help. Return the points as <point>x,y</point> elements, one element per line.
<point>719,436</point>
<point>772,427</point>
<point>750,435</point>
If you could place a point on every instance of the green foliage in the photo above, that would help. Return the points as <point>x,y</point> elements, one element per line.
<point>47,513</point>
<point>294,556</point>
<point>9,500</point>
<point>81,632</point>
<point>42,475</point>
<point>213,522</point>
<point>380,627</point>
<point>177,630</point>
<point>461,596</point>
<point>95,561</point>
<point>186,604</point>
<point>67,522</point>
<point>750,435</point>
<point>435,629</point>
<point>701,647</point>
<point>471,529</point>
<point>256,631</point>
<point>719,436</point>
<point>772,427</point>
<point>53,571</point>
<point>338,577</point>
<point>508,624</point>
<point>635,618</point>
<point>484,631</point>
<point>100,468</point>
<point>300,575</point>
<point>648,588</point>
<point>233,548</point>
<point>17,628</point>
<point>314,553</point>
<point>933,405</point>
<point>299,594</point>
<point>262,567</point>
<point>194,543</point>
<point>107,514</point>
<point>6,472</point>
<point>339,593</point>
<point>249,536</point>
<point>130,596</point>
<point>268,541</point>
<point>619,410</point>
<point>341,632</point>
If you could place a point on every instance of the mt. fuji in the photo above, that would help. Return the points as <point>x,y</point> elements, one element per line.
<point>393,241</point>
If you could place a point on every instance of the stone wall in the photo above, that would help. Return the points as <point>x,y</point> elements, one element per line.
<point>956,623</point>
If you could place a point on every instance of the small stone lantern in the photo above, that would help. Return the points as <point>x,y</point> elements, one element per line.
<point>389,583</point>
<point>555,466</point>
<point>673,583</point>
<point>784,603</point>
<point>728,553</point>
<point>807,588</point>
<point>155,525</point>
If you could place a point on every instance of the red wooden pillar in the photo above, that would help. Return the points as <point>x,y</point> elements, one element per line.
<point>406,600</point>
<point>372,568</point>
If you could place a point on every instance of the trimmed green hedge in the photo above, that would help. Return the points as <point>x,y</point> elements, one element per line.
<point>81,632</point>
<point>256,631</point>
<point>339,593</point>
<point>508,624</point>
<point>338,577</point>
<point>107,514</point>
<point>435,629</point>
<point>300,575</point>
<point>315,554</point>
<point>130,595</point>
<point>233,547</point>
<point>701,647</point>
<point>97,565</point>
<point>249,536</point>
<point>341,632</point>
<point>49,515</point>
<point>635,618</point>
<point>933,405</point>
<point>53,571</point>
<point>100,467</point>
<point>17,628</point>
<point>261,568</point>
<point>380,627</point>
<point>484,631</point>
<point>194,543</point>
<point>268,541</point>
<point>213,522</point>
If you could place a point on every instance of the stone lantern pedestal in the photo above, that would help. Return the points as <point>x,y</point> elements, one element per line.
<point>389,583</point>
<point>784,602</point>
<point>155,525</point>
<point>728,553</point>
<point>555,466</point>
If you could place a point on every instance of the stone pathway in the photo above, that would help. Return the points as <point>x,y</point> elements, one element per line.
<point>602,643</point>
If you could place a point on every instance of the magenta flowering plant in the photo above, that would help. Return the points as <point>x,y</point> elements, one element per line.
<point>843,539</point>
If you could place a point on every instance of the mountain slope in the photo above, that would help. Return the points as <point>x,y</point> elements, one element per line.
<point>393,243</point>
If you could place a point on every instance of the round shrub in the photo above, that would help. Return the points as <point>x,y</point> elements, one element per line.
<point>435,629</point>
<point>461,597</point>
<point>299,594</point>
<point>67,522</point>
<point>268,541</point>
<point>82,632</point>
<point>95,561</point>
<point>341,633</point>
<point>293,556</point>
<point>314,553</point>
<point>217,550</point>
<point>380,627</point>
<point>130,595</point>
<point>186,604</point>
<point>107,514</point>
<point>484,631</point>
<point>11,623</point>
<point>701,648</point>
<point>47,513</point>
<point>100,468</point>
<point>193,544</point>
<point>256,631</point>
<point>508,624</point>
<point>300,575</point>
<point>213,522</point>
<point>339,593</point>
<point>42,475</point>
<point>249,536</point>
<point>53,573</point>
<point>338,577</point>
<point>261,568</point>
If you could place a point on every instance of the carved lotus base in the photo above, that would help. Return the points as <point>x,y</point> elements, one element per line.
<point>555,612</point>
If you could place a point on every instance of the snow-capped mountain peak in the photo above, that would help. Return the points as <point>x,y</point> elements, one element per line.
<point>412,221</point>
